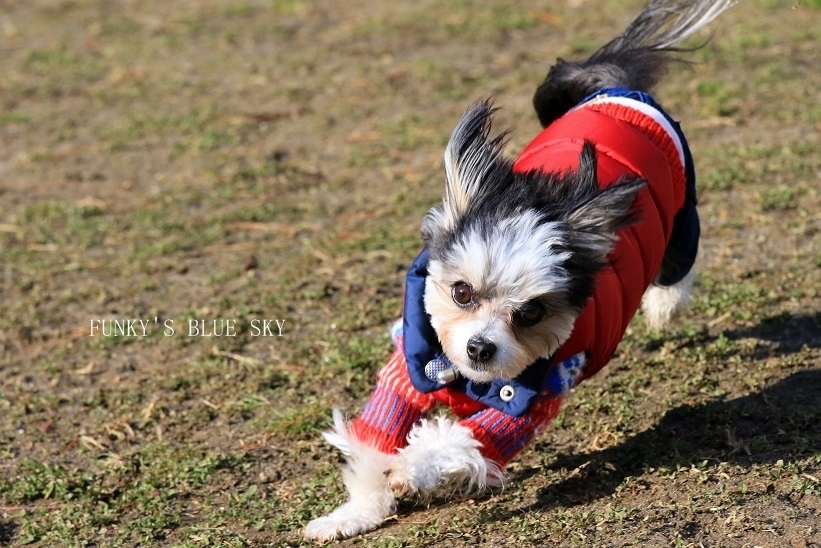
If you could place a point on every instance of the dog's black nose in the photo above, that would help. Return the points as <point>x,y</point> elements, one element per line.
<point>480,350</point>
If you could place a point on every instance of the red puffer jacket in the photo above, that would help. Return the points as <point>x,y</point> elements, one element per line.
<point>630,137</point>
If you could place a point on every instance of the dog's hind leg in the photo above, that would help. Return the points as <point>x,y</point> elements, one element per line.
<point>672,290</point>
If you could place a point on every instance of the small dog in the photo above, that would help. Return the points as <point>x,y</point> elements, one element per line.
<point>530,272</point>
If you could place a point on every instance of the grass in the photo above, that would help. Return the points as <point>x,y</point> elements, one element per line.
<point>272,161</point>
<point>151,486</point>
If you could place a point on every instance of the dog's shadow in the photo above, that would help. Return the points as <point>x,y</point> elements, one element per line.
<point>779,422</point>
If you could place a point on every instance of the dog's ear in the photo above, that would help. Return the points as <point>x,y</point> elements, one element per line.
<point>434,223</point>
<point>596,214</point>
<point>474,164</point>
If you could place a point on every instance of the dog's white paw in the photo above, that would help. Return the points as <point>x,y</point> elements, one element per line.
<point>408,478</point>
<point>441,455</point>
<point>352,518</point>
<point>661,303</point>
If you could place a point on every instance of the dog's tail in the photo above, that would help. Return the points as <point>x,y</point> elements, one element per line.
<point>636,59</point>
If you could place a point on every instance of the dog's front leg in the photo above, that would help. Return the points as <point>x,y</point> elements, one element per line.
<point>365,476</point>
<point>442,456</point>
<point>370,446</point>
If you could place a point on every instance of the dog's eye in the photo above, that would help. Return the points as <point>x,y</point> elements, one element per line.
<point>529,314</point>
<point>462,293</point>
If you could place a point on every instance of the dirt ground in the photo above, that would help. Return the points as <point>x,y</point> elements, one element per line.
<point>247,179</point>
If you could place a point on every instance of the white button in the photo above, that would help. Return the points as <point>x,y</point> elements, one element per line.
<point>507,393</point>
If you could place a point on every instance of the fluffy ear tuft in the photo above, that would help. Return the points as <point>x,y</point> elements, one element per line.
<point>434,223</point>
<point>599,213</point>
<point>470,157</point>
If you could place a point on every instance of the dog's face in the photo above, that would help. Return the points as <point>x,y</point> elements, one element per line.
<point>514,256</point>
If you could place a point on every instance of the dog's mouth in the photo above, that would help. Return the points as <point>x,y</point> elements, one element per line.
<point>479,367</point>
<point>481,373</point>
<point>484,372</point>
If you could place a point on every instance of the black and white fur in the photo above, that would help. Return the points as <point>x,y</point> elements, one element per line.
<point>527,247</point>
